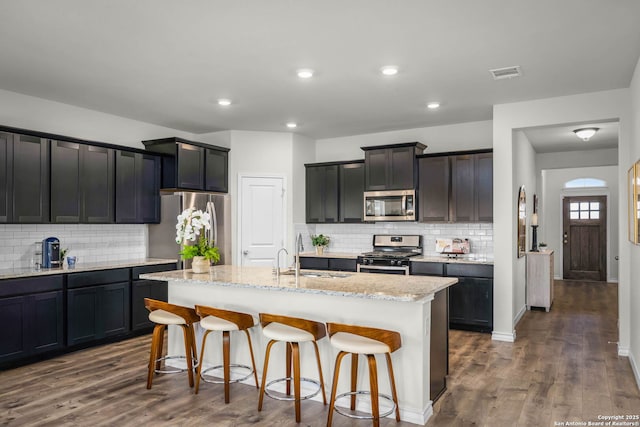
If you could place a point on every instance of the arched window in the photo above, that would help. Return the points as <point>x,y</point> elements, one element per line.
<point>585,182</point>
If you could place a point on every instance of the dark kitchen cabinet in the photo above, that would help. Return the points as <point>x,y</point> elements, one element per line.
<point>351,178</point>
<point>98,305</point>
<point>137,191</point>
<point>82,183</point>
<point>471,299</point>
<point>191,165</point>
<point>456,188</point>
<point>391,167</point>
<point>32,309</point>
<point>327,263</point>
<point>321,193</point>
<point>216,171</point>
<point>6,176</point>
<point>30,192</point>
<point>141,289</point>
<point>434,189</point>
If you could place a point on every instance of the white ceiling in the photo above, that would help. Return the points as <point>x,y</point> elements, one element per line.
<point>167,62</point>
<point>554,139</point>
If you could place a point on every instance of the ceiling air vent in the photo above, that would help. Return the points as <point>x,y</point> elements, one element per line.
<point>506,73</point>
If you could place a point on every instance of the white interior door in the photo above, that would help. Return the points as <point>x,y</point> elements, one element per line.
<point>262,219</point>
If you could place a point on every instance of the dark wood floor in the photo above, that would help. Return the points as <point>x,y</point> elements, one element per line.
<point>561,368</point>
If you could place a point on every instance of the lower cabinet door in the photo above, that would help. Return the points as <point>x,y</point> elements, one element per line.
<point>82,315</point>
<point>140,290</point>
<point>482,309</point>
<point>114,309</point>
<point>460,302</point>
<point>471,304</point>
<point>46,321</point>
<point>14,333</point>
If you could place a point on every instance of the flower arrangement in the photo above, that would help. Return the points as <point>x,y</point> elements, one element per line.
<point>193,226</point>
<point>319,240</point>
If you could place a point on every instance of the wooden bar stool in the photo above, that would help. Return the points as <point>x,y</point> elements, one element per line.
<point>368,341</point>
<point>163,314</point>
<point>225,321</point>
<point>292,331</point>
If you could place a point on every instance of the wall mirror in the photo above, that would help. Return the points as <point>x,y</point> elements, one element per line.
<point>522,222</point>
<point>633,200</point>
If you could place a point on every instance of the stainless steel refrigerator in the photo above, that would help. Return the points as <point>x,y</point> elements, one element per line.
<point>162,236</point>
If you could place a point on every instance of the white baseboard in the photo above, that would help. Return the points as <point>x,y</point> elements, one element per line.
<point>504,336</point>
<point>635,369</point>
<point>623,351</point>
<point>521,313</point>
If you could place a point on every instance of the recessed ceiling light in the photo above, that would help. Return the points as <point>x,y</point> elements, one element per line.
<point>433,105</point>
<point>292,125</point>
<point>224,102</point>
<point>305,73</point>
<point>389,70</point>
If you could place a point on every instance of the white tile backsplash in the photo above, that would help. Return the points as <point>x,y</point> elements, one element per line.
<point>357,238</point>
<point>88,242</point>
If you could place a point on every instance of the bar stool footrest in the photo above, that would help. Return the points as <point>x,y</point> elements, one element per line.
<point>280,380</point>
<point>363,417</point>
<point>221,381</point>
<point>173,370</point>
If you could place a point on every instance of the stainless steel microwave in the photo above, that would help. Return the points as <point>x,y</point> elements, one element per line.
<point>392,205</point>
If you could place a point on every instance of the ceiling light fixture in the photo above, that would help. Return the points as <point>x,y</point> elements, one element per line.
<point>305,73</point>
<point>224,102</point>
<point>292,125</point>
<point>389,70</point>
<point>585,133</point>
<point>433,105</point>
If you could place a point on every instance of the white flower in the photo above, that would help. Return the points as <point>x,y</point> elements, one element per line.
<point>190,223</point>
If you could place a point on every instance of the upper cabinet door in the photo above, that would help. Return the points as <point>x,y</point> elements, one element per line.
<point>351,192</point>
<point>484,187</point>
<point>6,176</point>
<point>401,170</point>
<point>30,180</point>
<point>65,182</point>
<point>462,188</point>
<point>434,175</point>
<point>321,193</point>
<point>97,185</point>
<point>148,188</point>
<point>376,169</point>
<point>137,188</point>
<point>126,204</point>
<point>190,167</point>
<point>216,170</point>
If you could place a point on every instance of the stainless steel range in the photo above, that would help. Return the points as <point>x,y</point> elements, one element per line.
<point>390,254</point>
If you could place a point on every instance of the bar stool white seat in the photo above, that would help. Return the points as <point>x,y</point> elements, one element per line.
<point>163,314</point>
<point>355,340</point>
<point>225,321</point>
<point>292,331</point>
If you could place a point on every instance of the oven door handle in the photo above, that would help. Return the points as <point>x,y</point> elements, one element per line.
<point>383,267</point>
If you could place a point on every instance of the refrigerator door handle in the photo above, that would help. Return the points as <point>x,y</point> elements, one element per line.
<point>211,208</point>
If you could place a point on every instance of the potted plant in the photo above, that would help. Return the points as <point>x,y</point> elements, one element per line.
<point>193,226</point>
<point>319,241</point>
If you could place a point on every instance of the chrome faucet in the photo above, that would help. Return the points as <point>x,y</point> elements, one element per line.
<point>278,260</point>
<point>299,248</point>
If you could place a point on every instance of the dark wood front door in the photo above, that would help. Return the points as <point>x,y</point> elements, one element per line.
<point>584,238</point>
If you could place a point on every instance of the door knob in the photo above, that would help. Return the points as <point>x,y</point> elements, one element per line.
<point>566,241</point>
<point>245,252</point>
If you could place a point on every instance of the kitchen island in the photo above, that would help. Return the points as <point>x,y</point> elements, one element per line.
<point>400,303</point>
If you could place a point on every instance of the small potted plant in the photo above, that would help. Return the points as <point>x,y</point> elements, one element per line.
<point>319,241</point>
<point>193,226</point>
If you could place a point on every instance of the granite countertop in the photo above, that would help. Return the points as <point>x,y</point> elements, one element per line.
<point>327,254</point>
<point>463,259</point>
<point>358,285</point>
<point>15,273</point>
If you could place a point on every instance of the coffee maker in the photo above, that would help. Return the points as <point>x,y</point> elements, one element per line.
<point>51,253</point>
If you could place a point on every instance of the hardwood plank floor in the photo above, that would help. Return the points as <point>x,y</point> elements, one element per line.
<point>561,368</point>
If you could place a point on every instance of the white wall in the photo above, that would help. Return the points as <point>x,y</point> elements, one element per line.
<point>303,151</point>
<point>268,153</point>
<point>605,105</point>
<point>438,139</point>
<point>574,159</point>
<point>28,112</point>
<point>630,152</point>
<point>551,215</point>
<point>524,173</point>
<point>221,139</point>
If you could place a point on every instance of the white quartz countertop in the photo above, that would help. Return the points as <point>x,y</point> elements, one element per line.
<point>15,273</point>
<point>359,285</point>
